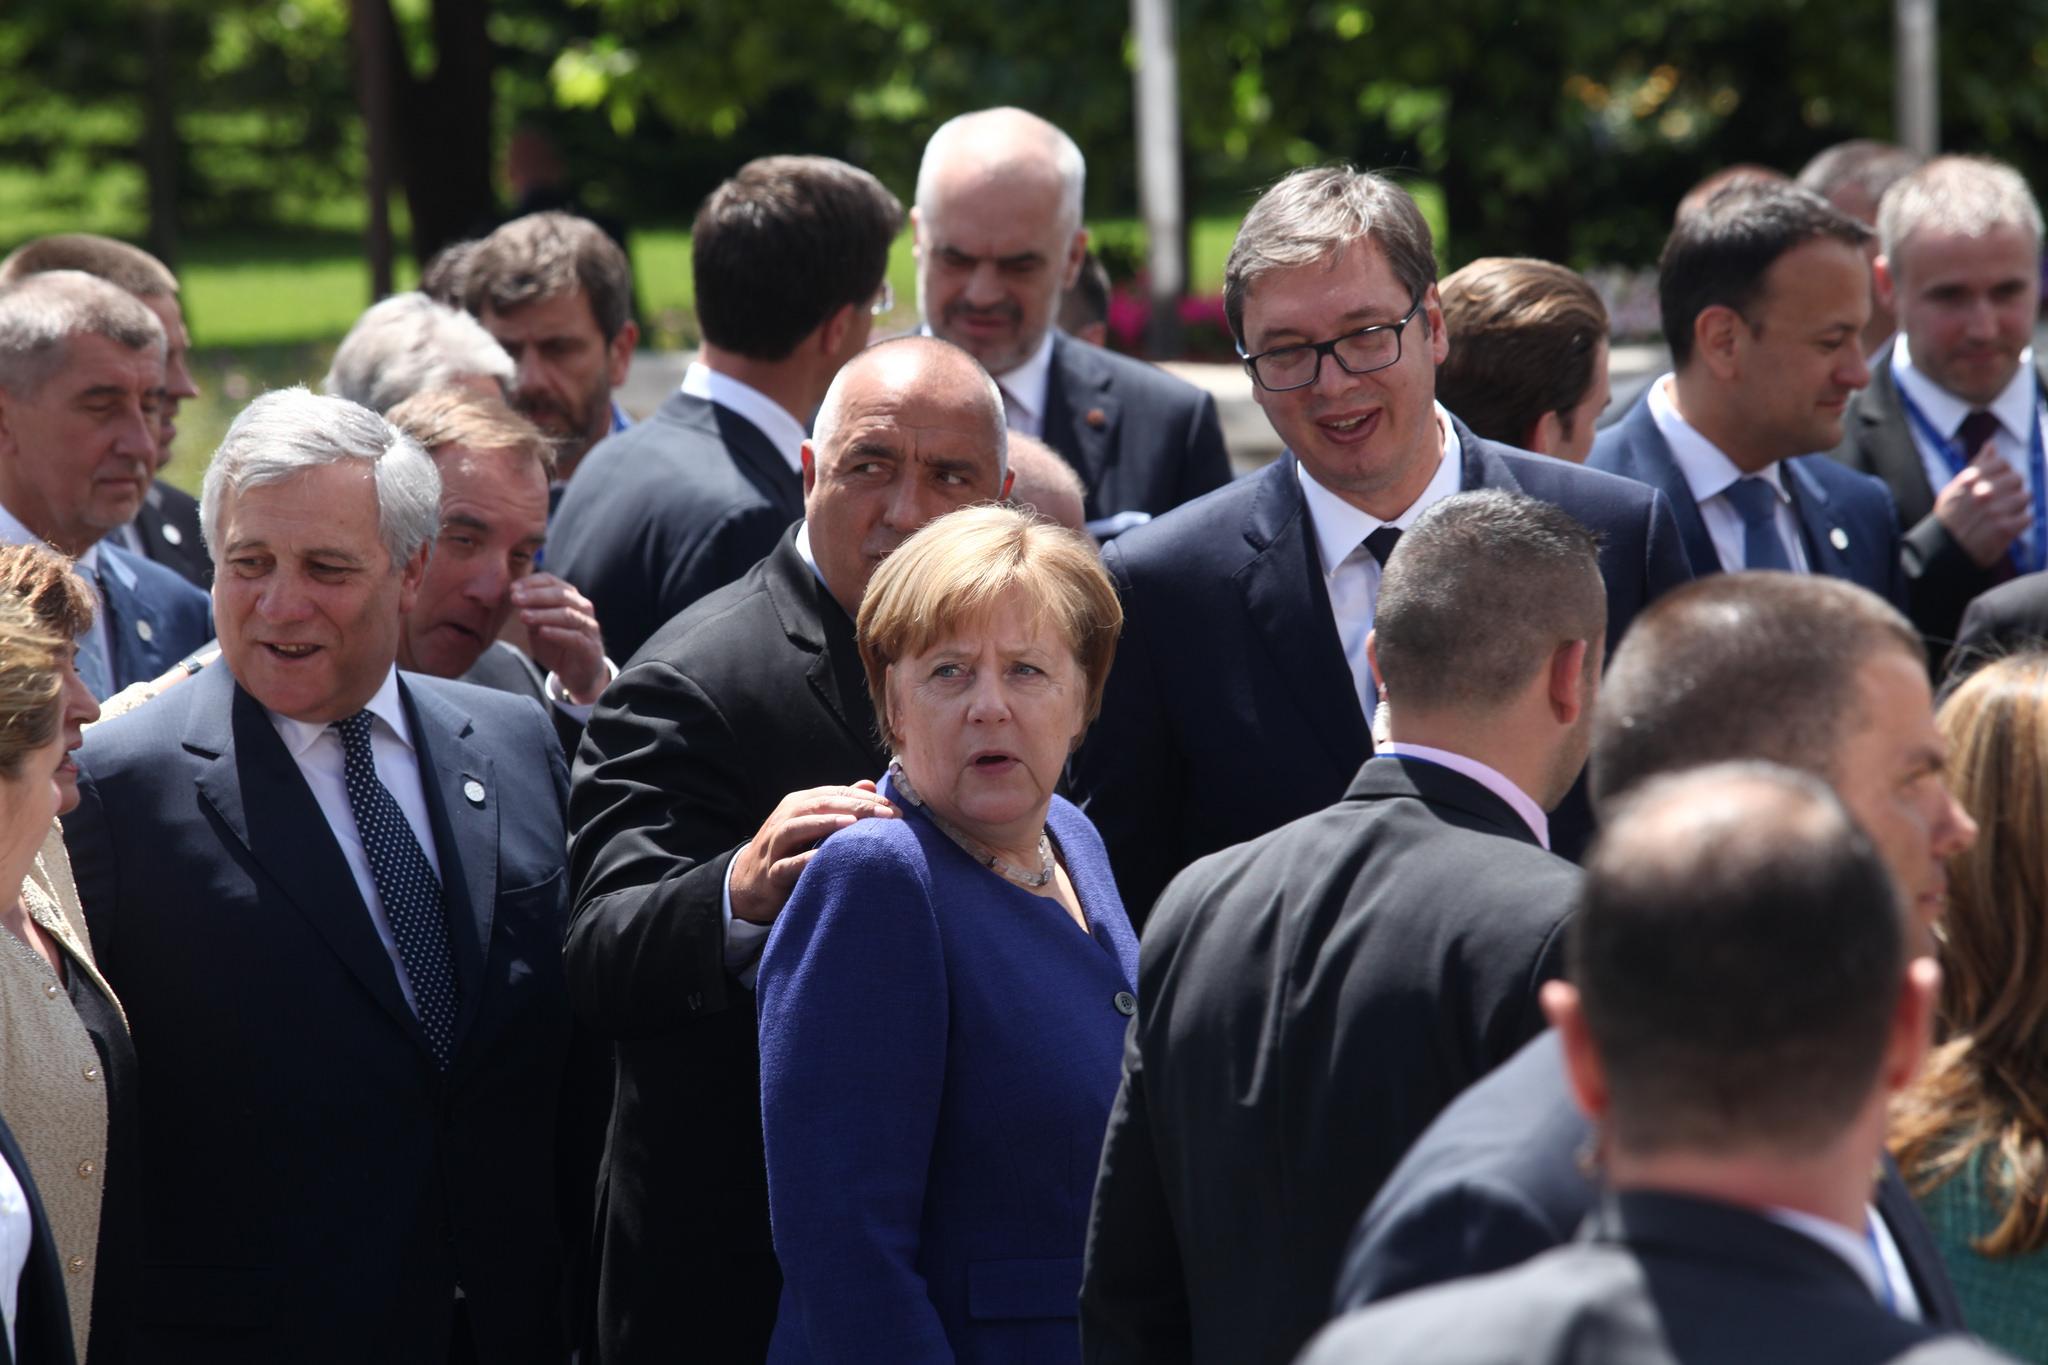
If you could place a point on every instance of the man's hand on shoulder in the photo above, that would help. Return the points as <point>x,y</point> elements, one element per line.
<point>764,872</point>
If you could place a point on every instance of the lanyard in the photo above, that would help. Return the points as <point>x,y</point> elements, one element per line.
<point>1957,459</point>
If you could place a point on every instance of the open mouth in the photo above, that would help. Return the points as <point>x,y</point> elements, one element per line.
<point>1351,429</point>
<point>293,651</point>
<point>992,762</point>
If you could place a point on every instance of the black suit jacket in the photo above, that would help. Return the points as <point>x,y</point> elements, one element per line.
<point>2010,617</point>
<point>1231,709</point>
<point>1848,525</point>
<point>42,1320</point>
<point>315,1188</point>
<point>1141,440</point>
<point>665,511</point>
<point>168,527</point>
<point>1311,1000</point>
<point>1655,1279</point>
<point>753,693</point>
<point>1941,578</point>
<point>1498,1179</point>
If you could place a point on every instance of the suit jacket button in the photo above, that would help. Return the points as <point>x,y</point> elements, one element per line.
<point>86,1169</point>
<point>92,1073</point>
<point>1126,1003</point>
<point>75,1264</point>
<point>51,990</point>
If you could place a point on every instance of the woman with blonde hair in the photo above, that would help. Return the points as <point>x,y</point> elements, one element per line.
<point>67,1067</point>
<point>1971,1135</point>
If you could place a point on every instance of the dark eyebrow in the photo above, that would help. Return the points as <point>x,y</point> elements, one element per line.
<point>947,464</point>
<point>872,450</point>
<point>465,520</point>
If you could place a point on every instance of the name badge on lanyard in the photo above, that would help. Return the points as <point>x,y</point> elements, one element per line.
<point>2030,554</point>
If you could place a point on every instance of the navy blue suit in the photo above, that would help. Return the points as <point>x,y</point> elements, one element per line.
<point>1850,527</point>
<point>155,622</point>
<point>315,1188</point>
<point>939,1052</point>
<point>1231,709</point>
<point>1141,440</point>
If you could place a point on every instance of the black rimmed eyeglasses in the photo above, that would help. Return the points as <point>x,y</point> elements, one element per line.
<point>1359,352</point>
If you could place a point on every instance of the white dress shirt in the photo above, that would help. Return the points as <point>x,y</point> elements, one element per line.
<point>1709,474</point>
<point>1495,781</point>
<point>1026,390</point>
<point>776,422</point>
<point>13,532</point>
<point>1350,573</point>
<point>318,752</point>
<point>17,1232</point>
<point>2015,409</point>
<point>1875,1257</point>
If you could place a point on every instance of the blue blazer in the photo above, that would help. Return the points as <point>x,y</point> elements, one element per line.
<point>154,621</point>
<point>939,1053</point>
<point>1231,709</point>
<point>314,1186</point>
<point>1847,520</point>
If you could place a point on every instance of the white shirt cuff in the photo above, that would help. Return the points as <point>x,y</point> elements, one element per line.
<point>743,938</point>
<point>558,696</point>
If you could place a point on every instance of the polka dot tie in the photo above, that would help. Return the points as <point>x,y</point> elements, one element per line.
<point>408,887</point>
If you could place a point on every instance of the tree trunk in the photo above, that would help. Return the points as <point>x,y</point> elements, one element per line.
<point>376,47</point>
<point>160,146</point>
<point>445,124</point>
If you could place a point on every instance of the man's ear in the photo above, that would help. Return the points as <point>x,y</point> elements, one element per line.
<point>1912,1031</point>
<point>1372,661</point>
<point>831,333</point>
<point>1885,284</point>
<point>1716,332</point>
<point>8,413</point>
<point>809,456</point>
<point>1439,334</point>
<point>1077,254</point>
<point>1582,1068</point>
<point>619,351</point>
<point>1567,680</point>
<point>410,577</point>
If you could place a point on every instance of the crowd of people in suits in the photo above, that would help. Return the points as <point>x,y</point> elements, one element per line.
<point>897,855</point>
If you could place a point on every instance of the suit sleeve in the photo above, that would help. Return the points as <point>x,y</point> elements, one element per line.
<point>1665,566</point>
<point>1134,1303</point>
<point>854,1008</point>
<point>1126,772</point>
<point>1442,1233</point>
<point>1206,466</point>
<point>725,551</point>
<point>1939,576</point>
<point>651,829</point>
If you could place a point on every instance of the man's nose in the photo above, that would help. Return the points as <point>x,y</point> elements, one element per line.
<point>984,285</point>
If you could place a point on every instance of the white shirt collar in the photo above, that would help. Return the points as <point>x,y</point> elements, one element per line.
<point>2014,406</point>
<point>1495,781</point>
<point>1857,1251</point>
<point>1029,384</point>
<point>1341,528</point>
<point>1708,472</point>
<point>783,431</point>
<point>300,735</point>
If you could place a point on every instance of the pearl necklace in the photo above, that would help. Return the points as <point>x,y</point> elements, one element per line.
<point>975,848</point>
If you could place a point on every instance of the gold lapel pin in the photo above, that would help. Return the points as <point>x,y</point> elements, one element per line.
<point>1097,418</point>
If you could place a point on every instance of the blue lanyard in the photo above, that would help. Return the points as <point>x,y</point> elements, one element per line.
<point>1958,459</point>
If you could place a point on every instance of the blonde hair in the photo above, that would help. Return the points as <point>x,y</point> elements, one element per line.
<point>31,682</point>
<point>1985,1088</point>
<point>956,572</point>
<point>480,421</point>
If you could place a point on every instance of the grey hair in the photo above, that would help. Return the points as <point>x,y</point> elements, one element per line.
<point>407,344</point>
<point>1965,195</point>
<point>992,136</point>
<point>39,314</point>
<point>933,352</point>
<point>1314,215</point>
<point>289,431</point>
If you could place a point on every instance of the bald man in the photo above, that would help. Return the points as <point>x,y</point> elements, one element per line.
<point>1042,482</point>
<point>998,236</point>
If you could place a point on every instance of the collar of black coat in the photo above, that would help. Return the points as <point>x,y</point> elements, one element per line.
<point>1685,1227</point>
<point>1384,777</point>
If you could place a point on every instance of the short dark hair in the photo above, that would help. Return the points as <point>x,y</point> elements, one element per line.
<point>1740,666</point>
<point>1718,256</point>
<point>1088,301</point>
<point>126,267</point>
<point>538,257</point>
<point>1524,335</point>
<point>1478,593</point>
<point>784,244</point>
<point>1739,951</point>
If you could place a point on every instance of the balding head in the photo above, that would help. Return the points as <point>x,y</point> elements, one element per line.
<point>1046,484</point>
<point>909,430</point>
<point>998,232</point>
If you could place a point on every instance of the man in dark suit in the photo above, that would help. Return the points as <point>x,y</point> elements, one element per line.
<point>1743,1008</point>
<point>332,899</point>
<point>789,258</point>
<point>1802,670</point>
<point>1312,998</point>
<point>1765,293</point>
<point>166,529</point>
<point>81,376</point>
<point>495,467</point>
<point>1951,420</point>
<point>740,737</point>
<point>1241,694</point>
<point>998,238</point>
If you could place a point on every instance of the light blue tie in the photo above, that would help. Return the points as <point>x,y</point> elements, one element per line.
<point>94,667</point>
<point>1756,502</point>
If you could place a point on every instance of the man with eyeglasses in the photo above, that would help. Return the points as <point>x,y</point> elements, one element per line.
<point>1242,697</point>
<point>788,257</point>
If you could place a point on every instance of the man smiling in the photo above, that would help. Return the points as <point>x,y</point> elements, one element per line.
<point>1242,693</point>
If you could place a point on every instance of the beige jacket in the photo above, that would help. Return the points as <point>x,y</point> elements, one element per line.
<point>51,1088</point>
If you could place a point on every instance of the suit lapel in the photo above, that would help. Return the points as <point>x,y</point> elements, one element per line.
<point>1650,454</point>
<point>816,624</point>
<point>454,773</point>
<point>1081,410</point>
<point>756,455</point>
<point>1894,457</point>
<point>1827,543</point>
<point>1289,609</point>
<point>133,628</point>
<point>252,783</point>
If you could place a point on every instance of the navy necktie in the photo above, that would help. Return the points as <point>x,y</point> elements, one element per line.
<point>1976,429</point>
<point>408,887</point>
<point>1381,543</point>
<point>1756,502</point>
